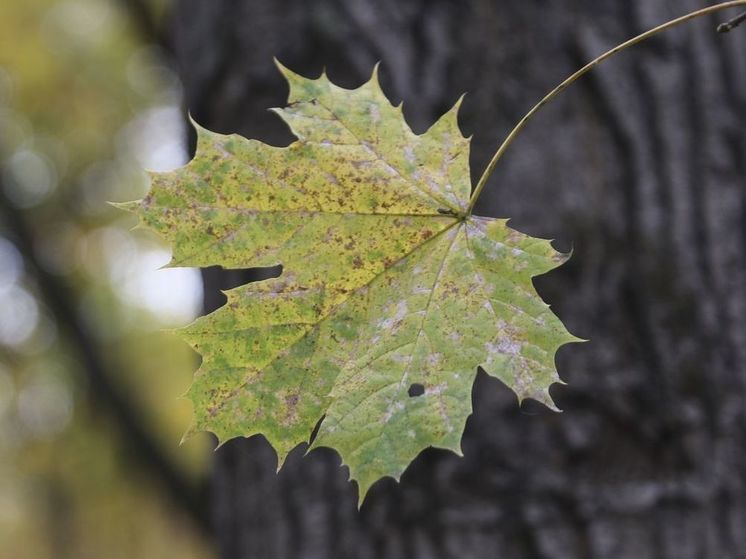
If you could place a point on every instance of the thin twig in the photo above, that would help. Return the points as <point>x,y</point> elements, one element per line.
<point>584,70</point>
<point>732,24</point>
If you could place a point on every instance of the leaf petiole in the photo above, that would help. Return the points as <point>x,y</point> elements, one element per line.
<point>581,72</point>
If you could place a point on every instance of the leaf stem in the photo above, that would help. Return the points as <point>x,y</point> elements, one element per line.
<point>584,70</point>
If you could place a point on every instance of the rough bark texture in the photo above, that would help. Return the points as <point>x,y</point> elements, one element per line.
<point>642,167</point>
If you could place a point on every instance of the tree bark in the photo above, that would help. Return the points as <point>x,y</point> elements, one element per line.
<point>641,168</point>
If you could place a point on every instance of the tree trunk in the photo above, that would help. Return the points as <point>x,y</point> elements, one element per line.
<point>640,168</point>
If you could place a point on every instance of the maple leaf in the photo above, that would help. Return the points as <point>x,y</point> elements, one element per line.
<point>390,297</point>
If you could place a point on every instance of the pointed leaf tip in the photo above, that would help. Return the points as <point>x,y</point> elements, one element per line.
<point>189,433</point>
<point>196,125</point>
<point>284,70</point>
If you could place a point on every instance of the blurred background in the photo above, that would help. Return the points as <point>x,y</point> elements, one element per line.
<point>90,418</point>
<point>640,168</point>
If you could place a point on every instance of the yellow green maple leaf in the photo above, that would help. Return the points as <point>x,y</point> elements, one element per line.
<point>391,294</point>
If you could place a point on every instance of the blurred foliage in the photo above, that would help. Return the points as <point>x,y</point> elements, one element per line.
<point>84,105</point>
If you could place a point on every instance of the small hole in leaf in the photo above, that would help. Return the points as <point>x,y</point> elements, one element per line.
<point>416,390</point>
